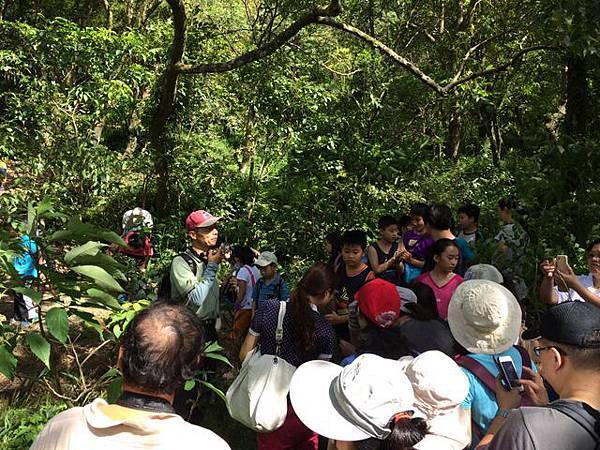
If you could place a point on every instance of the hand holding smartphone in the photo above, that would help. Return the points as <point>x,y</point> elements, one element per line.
<point>508,373</point>
<point>562,265</point>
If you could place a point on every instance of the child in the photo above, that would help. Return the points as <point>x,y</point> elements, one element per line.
<point>246,278</point>
<point>438,219</point>
<point>383,254</point>
<point>468,217</point>
<point>445,256</point>
<point>417,243</point>
<point>270,286</point>
<point>352,275</point>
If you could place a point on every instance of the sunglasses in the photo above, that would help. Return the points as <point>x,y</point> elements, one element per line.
<point>538,350</point>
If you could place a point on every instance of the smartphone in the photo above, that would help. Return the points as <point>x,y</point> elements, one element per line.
<point>562,265</point>
<point>508,373</point>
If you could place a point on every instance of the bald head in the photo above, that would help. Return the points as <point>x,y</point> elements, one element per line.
<point>161,347</point>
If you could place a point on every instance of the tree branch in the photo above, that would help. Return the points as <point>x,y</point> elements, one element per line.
<point>400,60</point>
<point>267,49</point>
<point>517,57</point>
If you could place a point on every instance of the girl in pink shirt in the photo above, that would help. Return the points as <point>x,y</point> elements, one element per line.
<point>442,278</point>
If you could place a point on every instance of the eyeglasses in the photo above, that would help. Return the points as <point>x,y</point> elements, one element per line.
<point>538,350</point>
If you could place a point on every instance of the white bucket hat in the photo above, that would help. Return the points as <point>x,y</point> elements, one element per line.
<point>351,403</point>
<point>440,386</point>
<point>484,272</point>
<point>484,317</point>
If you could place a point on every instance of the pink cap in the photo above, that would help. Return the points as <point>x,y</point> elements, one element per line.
<point>200,219</point>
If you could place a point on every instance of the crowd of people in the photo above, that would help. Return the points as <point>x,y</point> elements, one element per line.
<point>409,342</point>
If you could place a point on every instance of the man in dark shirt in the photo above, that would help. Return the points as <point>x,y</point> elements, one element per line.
<point>569,355</point>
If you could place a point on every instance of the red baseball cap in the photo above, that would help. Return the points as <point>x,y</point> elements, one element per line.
<point>379,301</point>
<point>200,219</point>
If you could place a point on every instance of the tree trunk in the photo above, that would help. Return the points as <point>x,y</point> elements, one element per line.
<point>577,97</point>
<point>454,127</point>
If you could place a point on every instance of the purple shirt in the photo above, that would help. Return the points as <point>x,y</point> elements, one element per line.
<point>417,244</point>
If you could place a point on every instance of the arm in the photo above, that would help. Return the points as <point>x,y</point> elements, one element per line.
<point>547,292</point>
<point>249,343</point>
<point>373,261</point>
<point>241,293</point>
<point>573,282</point>
<point>285,292</point>
<point>199,292</point>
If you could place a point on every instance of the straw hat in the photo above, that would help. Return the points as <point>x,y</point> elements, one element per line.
<point>484,317</point>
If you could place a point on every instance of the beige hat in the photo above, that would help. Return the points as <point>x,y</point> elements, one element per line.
<point>484,317</point>
<point>484,272</point>
<point>266,259</point>
<point>440,387</point>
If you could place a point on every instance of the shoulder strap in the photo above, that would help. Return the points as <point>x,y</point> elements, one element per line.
<point>279,330</point>
<point>525,358</point>
<point>574,412</point>
<point>191,262</point>
<point>279,287</point>
<point>478,370</point>
<point>251,274</point>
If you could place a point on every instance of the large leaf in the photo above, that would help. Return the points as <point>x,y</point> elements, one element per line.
<point>77,230</point>
<point>34,295</point>
<point>90,248</point>
<point>100,276</point>
<point>8,363</point>
<point>108,263</point>
<point>104,298</point>
<point>218,357</point>
<point>39,346</point>
<point>57,322</point>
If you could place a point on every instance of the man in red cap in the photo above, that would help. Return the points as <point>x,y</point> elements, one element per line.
<point>194,272</point>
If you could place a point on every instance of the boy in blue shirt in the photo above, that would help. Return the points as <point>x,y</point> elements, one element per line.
<point>270,286</point>
<point>25,265</point>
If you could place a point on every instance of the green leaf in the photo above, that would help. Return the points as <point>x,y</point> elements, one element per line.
<point>218,357</point>
<point>44,206</point>
<point>113,391</point>
<point>57,322</point>
<point>189,385</point>
<point>100,276</point>
<point>104,298</point>
<point>108,263</point>
<point>34,295</point>
<point>39,346</point>
<point>212,347</point>
<point>8,363</point>
<point>90,248</point>
<point>215,389</point>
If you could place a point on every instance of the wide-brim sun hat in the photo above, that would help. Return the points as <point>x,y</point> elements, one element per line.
<point>351,403</point>
<point>484,272</point>
<point>484,317</point>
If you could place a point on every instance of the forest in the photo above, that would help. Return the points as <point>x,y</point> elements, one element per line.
<point>290,119</point>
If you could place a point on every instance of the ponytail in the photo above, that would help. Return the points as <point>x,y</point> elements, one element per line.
<point>406,432</point>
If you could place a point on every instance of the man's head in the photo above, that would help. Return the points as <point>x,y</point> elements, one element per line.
<point>468,216</point>
<point>568,344</point>
<point>267,264</point>
<point>417,215</point>
<point>388,228</point>
<point>354,243</point>
<point>439,217</point>
<point>202,229</point>
<point>160,348</point>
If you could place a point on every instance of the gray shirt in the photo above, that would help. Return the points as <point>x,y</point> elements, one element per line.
<point>533,428</point>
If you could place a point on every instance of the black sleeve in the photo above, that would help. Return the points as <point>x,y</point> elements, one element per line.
<point>513,434</point>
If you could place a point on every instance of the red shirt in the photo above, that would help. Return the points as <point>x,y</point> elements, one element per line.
<point>443,294</point>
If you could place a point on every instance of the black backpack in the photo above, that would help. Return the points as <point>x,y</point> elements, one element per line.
<point>164,287</point>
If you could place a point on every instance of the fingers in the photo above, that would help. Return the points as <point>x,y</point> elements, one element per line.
<point>530,373</point>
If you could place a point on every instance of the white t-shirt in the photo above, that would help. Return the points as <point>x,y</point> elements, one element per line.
<point>90,429</point>
<point>249,274</point>
<point>588,283</point>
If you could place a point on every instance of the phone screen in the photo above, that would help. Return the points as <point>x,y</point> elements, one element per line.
<point>510,373</point>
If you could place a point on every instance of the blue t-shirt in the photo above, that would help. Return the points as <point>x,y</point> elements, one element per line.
<point>480,400</point>
<point>275,290</point>
<point>25,263</point>
<point>466,255</point>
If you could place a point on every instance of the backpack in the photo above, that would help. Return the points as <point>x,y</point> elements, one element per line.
<point>164,287</point>
<point>276,296</point>
<point>488,380</point>
<point>573,411</point>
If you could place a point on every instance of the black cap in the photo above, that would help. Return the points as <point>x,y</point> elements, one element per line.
<point>571,323</point>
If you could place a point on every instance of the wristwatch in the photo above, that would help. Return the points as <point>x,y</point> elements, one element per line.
<point>503,413</point>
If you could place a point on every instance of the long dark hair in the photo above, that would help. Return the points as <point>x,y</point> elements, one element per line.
<point>385,342</point>
<point>335,239</point>
<point>405,434</point>
<point>426,306</point>
<point>437,249</point>
<point>317,280</point>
